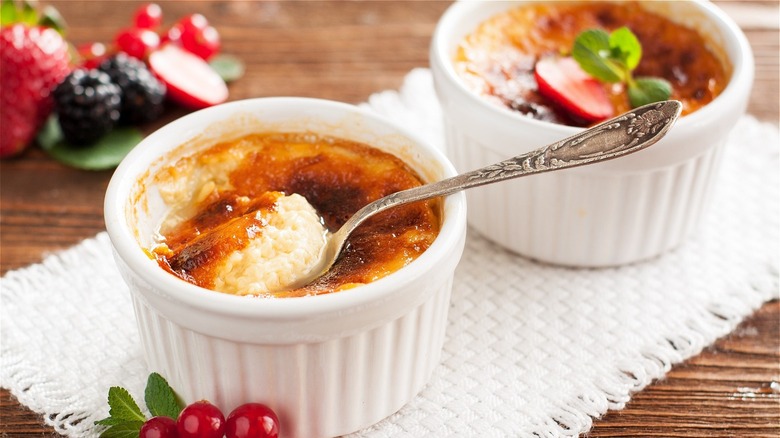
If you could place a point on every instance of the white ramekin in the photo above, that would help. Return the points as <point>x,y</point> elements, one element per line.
<point>329,364</point>
<point>607,214</point>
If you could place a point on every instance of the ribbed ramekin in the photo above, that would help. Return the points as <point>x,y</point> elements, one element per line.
<point>329,364</point>
<point>607,214</point>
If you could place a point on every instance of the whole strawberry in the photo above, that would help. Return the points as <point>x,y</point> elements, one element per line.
<point>34,59</point>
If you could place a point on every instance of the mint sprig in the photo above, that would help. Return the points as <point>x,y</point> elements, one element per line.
<point>160,398</point>
<point>125,417</point>
<point>123,430</point>
<point>612,57</point>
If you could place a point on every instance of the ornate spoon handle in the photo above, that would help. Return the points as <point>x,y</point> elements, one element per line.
<point>622,135</point>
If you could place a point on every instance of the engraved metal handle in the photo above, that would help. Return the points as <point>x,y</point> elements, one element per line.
<point>622,135</point>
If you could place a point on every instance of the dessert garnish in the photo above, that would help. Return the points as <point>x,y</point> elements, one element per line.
<point>34,58</point>
<point>148,16</point>
<point>612,57</point>
<point>87,105</point>
<point>574,83</point>
<point>125,416</point>
<point>195,34</point>
<point>143,94</point>
<point>61,97</point>
<point>200,87</point>
<point>563,81</point>
<point>170,418</point>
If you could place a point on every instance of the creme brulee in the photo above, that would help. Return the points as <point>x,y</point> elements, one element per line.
<point>497,60</point>
<point>249,216</point>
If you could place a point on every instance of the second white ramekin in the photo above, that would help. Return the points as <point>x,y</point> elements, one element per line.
<point>607,214</point>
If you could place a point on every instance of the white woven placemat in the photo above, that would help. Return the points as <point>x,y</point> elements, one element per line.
<point>531,350</point>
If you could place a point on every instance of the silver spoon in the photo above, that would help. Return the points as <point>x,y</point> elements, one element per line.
<point>622,135</point>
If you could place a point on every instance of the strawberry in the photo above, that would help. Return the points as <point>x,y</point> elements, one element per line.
<point>578,94</point>
<point>34,60</point>
<point>190,80</point>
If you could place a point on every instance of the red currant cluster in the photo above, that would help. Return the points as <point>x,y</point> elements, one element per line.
<point>179,56</point>
<point>192,32</point>
<point>204,420</point>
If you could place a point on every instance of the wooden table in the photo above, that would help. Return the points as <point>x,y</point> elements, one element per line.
<point>346,51</point>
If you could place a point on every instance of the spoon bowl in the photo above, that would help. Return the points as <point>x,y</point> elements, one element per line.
<point>622,135</point>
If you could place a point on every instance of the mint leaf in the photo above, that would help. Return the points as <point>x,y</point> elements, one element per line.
<point>648,90</point>
<point>625,46</point>
<point>129,429</point>
<point>105,154</point>
<point>122,406</point>
<point>109,421</point>
<point>160,397</point>
<point>612,57</point>
<point>592,52</point>
<point>228,67</point>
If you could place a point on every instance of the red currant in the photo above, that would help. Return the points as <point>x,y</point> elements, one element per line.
<point>159,427</point>
<point>193,22</point>
<point>195,35</point>
<point>137,42</point>
<point>252,420</point>
<point>201,420</point>
<point>202,42</point>
<point>173,35</point>
<point>91,54</point>
<point>148,16</point>
<point>186,27</point>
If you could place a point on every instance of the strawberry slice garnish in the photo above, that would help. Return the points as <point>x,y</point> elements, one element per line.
<point>581,96</point>
<point>190,80</point>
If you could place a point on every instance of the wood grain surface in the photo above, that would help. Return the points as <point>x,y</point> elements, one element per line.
<point>347,51</point>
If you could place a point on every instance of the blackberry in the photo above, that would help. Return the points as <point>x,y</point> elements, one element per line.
<point>87,105</point>
<point>143,94</point>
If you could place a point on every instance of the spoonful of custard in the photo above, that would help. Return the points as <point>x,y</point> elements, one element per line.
<point>613,138</point>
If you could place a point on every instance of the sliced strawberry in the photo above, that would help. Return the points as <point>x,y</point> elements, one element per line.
<point>190,80</point>
<point>568,86</point>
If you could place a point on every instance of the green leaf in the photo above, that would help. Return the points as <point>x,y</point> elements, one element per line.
<point>592,52</point>
<point>109,421</point>
<point>648,90</point>
<point>7,12</point>
<point>160,397</point>
<point>128,429</point>
<point>625,46</point>
<point>123,407</point>
<point>50,133</point>
<point>50,17</point>
<point>228,67</point>
<point>106,153</point>
<point>28,14</point>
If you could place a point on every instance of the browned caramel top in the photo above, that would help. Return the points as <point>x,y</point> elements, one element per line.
<point>499,57</point>
<point>337,177</point>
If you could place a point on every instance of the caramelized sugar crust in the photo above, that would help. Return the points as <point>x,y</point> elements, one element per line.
<point>497,60</point>
<point>336,176</point>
